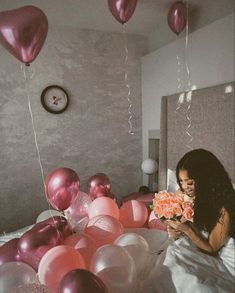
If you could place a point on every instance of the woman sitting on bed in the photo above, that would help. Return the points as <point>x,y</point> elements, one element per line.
<point>201,175</point>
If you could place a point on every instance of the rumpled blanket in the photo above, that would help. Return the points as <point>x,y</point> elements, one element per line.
<point>183,268</point>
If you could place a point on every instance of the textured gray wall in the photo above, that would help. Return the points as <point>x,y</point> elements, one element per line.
<point>91,136</point>
<point>212,127</point>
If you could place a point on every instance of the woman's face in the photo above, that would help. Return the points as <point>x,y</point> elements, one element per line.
<point>187,184</point>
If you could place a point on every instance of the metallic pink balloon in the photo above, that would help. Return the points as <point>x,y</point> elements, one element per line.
<point>122,10</point>
<point>36,242</point>
<point>98,185</point>
<point>9,251</point>
<point>60,223</point>
<point>81,281</point>
<point>23,32</point>
<point>177,17</point>
<point>62,186</point>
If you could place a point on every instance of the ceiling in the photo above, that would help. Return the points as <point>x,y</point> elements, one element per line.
<point>149,16</point>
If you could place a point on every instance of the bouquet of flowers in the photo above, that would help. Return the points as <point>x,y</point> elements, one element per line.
<point>170,206</point>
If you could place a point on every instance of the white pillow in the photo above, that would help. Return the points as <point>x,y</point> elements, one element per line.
<point>172,185</point>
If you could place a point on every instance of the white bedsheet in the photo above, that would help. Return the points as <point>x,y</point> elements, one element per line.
<point>183,268</point>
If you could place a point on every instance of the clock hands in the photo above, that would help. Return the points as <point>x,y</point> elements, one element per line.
<point>55,100</point>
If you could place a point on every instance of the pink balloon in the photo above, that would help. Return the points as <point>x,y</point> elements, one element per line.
<point>103,206</point>
<point>155,223</point>
<point>82,281</point>
<point>133,214</point>
<point>84,244</point>
<point>23,32</point>
<point>177,17</point>
<point>146,199</point>
<point>42,237</point>
<point>122,10</point>
<point>98,185</point>
<point>9,251</point>
<point>62,186</point>
<point>104,229</point>
<point>56,263</point>
<point>79,208</point>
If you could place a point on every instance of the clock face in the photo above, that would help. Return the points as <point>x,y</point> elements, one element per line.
<point>55,99</point>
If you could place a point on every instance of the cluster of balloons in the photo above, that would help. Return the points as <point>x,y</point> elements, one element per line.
<point>122,10</point>
<point>81,246</point>
<point>23,30</point>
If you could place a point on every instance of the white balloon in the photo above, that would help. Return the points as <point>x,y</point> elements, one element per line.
<point>116,268</point>
<point>149,166</point>
<point>15,274</point>
<point>137,247</point>
<point>48,214</point>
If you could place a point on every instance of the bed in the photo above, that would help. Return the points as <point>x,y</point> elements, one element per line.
<point>177,266</point>
<point>208,117</point>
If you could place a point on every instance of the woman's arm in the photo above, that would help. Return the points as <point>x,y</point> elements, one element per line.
<point>216,238</point>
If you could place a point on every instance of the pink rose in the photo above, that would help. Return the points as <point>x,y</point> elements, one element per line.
<point>188,214</point>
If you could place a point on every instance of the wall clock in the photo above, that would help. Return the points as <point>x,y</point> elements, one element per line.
<point>55,99</point>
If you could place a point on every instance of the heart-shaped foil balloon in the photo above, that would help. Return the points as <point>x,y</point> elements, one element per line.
<point>23,32</point>
<point>42,237</point>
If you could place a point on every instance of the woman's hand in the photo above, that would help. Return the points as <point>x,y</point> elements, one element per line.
<point>178,226</point>
<point>172,233</point>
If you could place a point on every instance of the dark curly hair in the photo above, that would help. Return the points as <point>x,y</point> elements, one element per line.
<point>213,189</point>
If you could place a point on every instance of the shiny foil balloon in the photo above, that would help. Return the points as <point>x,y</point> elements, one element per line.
<point>23,32</point>
<point>60,223</point>
<point>177,17</point>
<point>98,185</point>
<point>122,10</point>
<point>9,251</point>
<point>62,186</point>
<point>36,242</point>
<point>82,281</point>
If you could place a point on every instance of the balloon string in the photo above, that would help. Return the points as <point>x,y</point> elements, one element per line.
<point>181,96</point>
<point>179,104</point>
<point>178,72</point>
<point>188,117</point>
<point>35,139</point>
<point>28,75</point>
<point>128,85</point>
<point>186,46</point>
<point>187,86</point>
